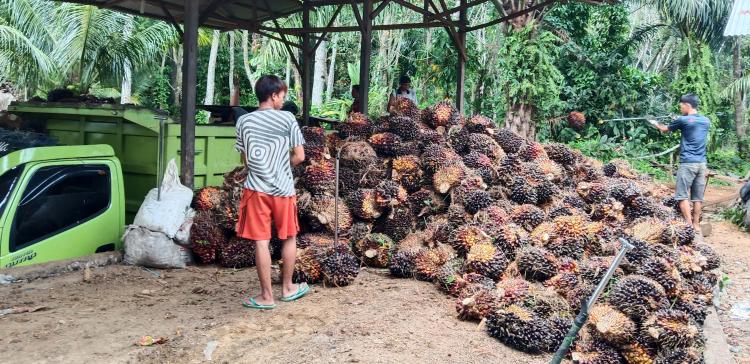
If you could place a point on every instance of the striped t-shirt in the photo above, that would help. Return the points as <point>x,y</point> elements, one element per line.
<point>266,137</point>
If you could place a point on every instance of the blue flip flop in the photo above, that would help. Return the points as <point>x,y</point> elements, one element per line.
<point>252,304</point>
<point>302,290</point>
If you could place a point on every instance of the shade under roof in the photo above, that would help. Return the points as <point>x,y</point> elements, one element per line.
<point>218,14</point>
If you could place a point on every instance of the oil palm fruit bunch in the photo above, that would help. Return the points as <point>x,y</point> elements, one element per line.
<point>487,260</point>
<point>480,124</point>
<point>611,325</point>
<point>363,204</point>
<point>532,151</point>
<point>375,250</point>
<point>484,144</point>
<point>407,170</point>
<point>466,236</point>
<point>438,156</point>
<point>358,155</point>
<point>386,144</point>
<point>450,277</point>
<point>513,290</point>
<point>677,232</point>
<point>208,198</point>
<point>528,216</point>
<point>619,168</point>
<point>671,329</point>
<point>647,230</point>
<point>307,266</point>
<point>520,328</point>
<point>576,120</point>
<point>404,107</point>
<point>641,206</point>
<point>680,355</point>
<point>477,200</point>
<point>638,296</point>
<point>623,191</point>
<point>399,223</point>
<point>563,282</point>
<point>390,194</point>
<point>482,164</point>
<point>357,126</point>
<point>508,140</point>
<point>662,271</point>
<point>426,202</point>
<point>510,238</point>
<point>307,240</point>
<point>314,135</point>
<point>638,351</point>
<point>491,218</point>
<point>609,210</point>
<point>522,192</point>
<point>476,302</point>
<point>713,260</point>
<point>593,350</point>
<point>443,114</point>
<point>404,127</point>
<point>428,262</point>
<point>206,236</point>
<point>237,252</point>
<point>561,154</point>
<point>536,264</point>
<point>358,231</point>
<point>401,264</point>
<point>448,177</point>
<point>319,176</point>
<point>693,304</point>
<point>322,214</point>
<point>592,192</point>
<point>339,266</point>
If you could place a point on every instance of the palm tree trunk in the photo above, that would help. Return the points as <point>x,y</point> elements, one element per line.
<point>332,67</point>
<point>518,119</point>
<point>288,72</point>
<point>211,72</point>
<point>127,77</point>
<point>177,81</point>
<point>231,67</point>
<point>246,57</point>
<point>740,122</point>
<point>319,74</point>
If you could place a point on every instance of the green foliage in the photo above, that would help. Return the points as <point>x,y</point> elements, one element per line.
<point>735,215</point>
<point>202,117</point>
<point>157,95</point>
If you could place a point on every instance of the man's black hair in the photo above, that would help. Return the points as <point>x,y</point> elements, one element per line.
<point>291,107</point>
<point>268,85</point>
<point>404,79</point>
<point>691,99</point>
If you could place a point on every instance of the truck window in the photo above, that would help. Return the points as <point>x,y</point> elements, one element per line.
<point>58,198</point>
<point>7,182</point>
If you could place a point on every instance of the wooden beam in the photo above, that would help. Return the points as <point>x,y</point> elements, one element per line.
<point>189,82</point>
<point>209,10</point>
<point>286,43</point>
<point>330,24</point>
<point>111,3</point>
<point>511,16</point>
<point>355,10</point>
<point>459,8</point>
<point>365,53</point>
<point>461,62</point>
<point>449,28</point>
<point>171,18</point>
<point>307,67</point>
<point>380,8</point>
<point>343,29</point>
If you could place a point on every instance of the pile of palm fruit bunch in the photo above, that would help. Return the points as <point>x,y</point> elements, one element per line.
<point>518,232</point>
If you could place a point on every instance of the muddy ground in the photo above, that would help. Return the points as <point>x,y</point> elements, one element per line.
<point>98,316</point>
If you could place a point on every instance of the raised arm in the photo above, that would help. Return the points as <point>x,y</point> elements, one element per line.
<point>297,155</point>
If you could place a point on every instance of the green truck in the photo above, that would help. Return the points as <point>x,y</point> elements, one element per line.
<point>73,200</point>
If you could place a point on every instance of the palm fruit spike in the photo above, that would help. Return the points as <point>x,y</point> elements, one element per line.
<point>319,176</point>
<point>398,224</point>
<point>375,250</point>
<point>448,177</point>
<point>405,107</point>
<point>389,194</point>
<point>358,155</point>
<point>508,140</point>
<point>404,127</point>
<point>576,120</point>
<point>528,216</point>
<point>428,262</point>
<point>437,156</point>
<point>307,266</point>
<point>611,325</point>
<point>484,144</point>
<point>671,329</point>
<point>477,200</point>
<point>466,236</point>
<point>314,135</point>
<point>443,114</point>
<point>339,266</point>
<point>638,296</point>
<point>363,204</point>
<point>401,264</point>
<point>509,238</point>
<point>532,151</point>
<point>520,328</point>
<point>237,253</point>
<point>480,124</point>
<point>357,126</point>
<point>536,263</point>
<point>407,171</point>
<point>522,192</point>
<point>662,271</point>
<point>386,144</point>
<point>476,303</point>
<point>678,232</point>
<point>426,202</point>
<point>487,260</point>
<point>680,355</point>
<point>207,198</point>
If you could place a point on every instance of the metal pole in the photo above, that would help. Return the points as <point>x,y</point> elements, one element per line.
<point>364,55</point>
<point>461,65</point>
<point>189,69</point>
<point>584,314</point>
<point>160,153</point>
<point>640,118</point>
<point>307,67</point>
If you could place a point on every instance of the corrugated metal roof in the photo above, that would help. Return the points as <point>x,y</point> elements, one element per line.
<point>739,19</point>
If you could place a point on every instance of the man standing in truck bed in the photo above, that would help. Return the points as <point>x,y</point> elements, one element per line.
<point>692,173</point>
<point>271,142</point>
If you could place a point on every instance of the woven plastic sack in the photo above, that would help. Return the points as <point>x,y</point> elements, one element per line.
<point>153,249</point>
<point>167,214</point>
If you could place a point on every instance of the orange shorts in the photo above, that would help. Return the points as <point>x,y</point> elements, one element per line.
<point>258,210</point>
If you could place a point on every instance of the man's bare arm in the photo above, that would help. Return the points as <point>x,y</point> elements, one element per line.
<point>662,128</point>
<point>297,155</point>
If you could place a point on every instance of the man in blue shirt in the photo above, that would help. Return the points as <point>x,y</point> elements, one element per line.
<point>692,173</point>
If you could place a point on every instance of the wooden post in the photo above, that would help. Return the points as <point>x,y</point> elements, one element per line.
<point>307,66</point>
<point>364,57</point>
<point>461,64</point>
<point>189,65</point>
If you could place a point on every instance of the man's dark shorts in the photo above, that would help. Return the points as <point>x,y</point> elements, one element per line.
<point>691,181</point>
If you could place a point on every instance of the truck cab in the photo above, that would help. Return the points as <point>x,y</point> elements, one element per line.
<point>59,202</point>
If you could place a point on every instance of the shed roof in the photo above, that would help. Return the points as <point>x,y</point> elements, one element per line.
<point>739,19</point>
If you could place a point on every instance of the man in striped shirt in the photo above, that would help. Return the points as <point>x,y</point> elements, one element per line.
<point>271,142</point>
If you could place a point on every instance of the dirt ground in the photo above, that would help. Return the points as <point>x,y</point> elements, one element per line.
<point>98,318</point>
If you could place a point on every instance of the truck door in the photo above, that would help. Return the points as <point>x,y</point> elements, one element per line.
<point>61,210</point>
